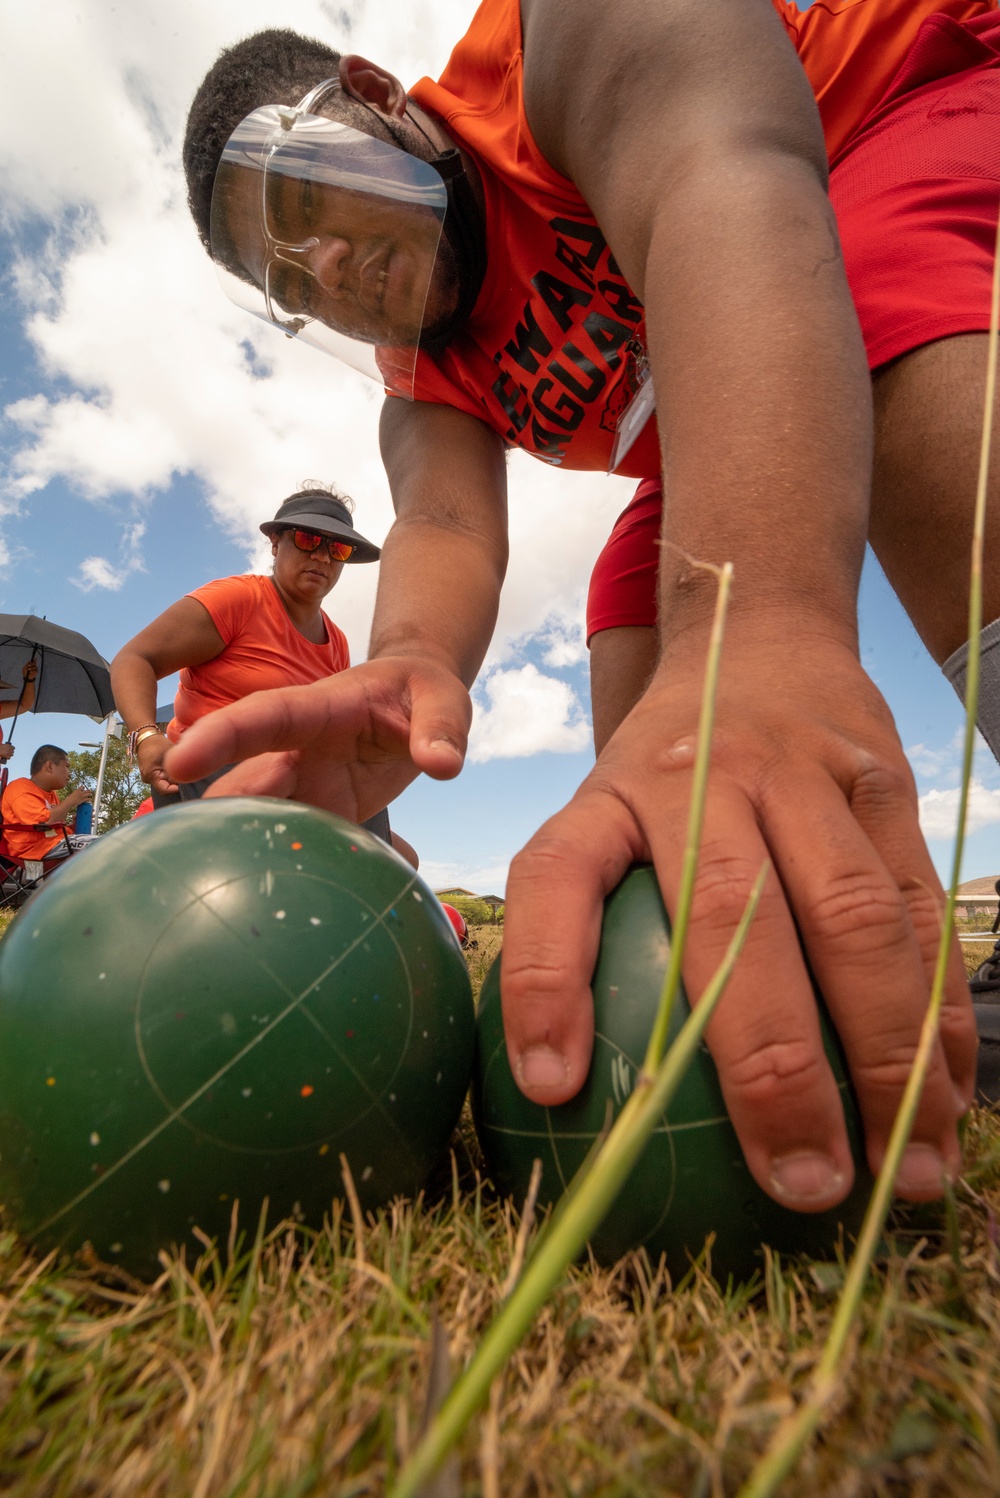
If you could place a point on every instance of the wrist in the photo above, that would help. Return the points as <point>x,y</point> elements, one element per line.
<point>777,624</point>
<point>142,735</point>
<point>430,654</point>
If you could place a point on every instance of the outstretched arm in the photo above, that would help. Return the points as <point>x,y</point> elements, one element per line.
<point>693,136</point>
<point>352,742</point>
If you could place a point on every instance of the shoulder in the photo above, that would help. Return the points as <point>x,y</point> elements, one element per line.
<point>244,585</point>
<point>590,67</point>
<point>24,789</point>
<point>230,601</point>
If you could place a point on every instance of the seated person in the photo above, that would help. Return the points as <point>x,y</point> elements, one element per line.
<point>23,703</point>
<point>245,634</point>
<point>34,818</point>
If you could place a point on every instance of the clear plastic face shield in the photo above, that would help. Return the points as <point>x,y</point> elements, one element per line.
<point>332,236</point>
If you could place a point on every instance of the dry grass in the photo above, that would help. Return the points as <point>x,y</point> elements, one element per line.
<point>975,952</point>
<point>484,945</point>
<point>297,1365</point>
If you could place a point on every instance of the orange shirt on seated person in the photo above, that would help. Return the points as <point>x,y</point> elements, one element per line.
<point>27,803</point>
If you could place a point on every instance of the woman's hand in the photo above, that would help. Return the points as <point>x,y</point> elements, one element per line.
<point>149,757</point>
<point>349,743</point>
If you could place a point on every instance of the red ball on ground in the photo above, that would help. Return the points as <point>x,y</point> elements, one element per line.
<point>458,922</point>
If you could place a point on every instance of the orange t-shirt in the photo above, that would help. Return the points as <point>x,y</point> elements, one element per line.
<point>27,803</point>
<point>263,649</point>
<point>552,353</point>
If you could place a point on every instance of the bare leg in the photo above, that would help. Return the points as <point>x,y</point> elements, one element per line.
<point>621,663</point>
<point>928,424</point>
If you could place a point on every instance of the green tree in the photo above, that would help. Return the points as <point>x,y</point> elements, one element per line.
<point>123,789</point>
<point>474,912</point>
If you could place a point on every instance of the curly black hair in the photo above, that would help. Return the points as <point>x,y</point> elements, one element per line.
<point>271,67</point>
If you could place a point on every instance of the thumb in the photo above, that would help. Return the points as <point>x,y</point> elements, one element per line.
<point>440,717</point>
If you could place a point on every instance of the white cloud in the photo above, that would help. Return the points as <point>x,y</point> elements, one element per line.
<point>944,765</point>
<point>932,764</point>
<point>481,879</point>
<point>564,643</point>
<point>939,810</point>
<point>98,572</point>
<point>522,712</point>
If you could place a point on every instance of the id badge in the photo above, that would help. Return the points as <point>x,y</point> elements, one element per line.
<point>635,415</point>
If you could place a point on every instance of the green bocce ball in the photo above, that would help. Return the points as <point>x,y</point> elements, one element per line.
<point>691,1180</point>
<point>211,1005</point>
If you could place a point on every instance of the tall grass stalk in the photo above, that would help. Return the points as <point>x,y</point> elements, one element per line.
<point>579,1212</point>
<point>602,1176</point>
<point>792,1435</point>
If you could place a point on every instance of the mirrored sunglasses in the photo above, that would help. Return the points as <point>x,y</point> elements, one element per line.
<point>340,551</point>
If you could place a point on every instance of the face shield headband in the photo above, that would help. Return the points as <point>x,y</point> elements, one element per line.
<point>333,237</point>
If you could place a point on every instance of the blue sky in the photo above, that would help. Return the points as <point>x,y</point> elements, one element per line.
<point>147,427</point>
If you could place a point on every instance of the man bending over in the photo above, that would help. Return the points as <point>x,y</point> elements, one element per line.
<point>594,212</point>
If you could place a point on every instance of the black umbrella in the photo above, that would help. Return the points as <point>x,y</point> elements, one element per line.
<point>72,677</point>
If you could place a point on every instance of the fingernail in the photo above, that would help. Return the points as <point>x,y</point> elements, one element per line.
<point>806,1176</point>
<point>922,1169</point>
<point>541,1066</point>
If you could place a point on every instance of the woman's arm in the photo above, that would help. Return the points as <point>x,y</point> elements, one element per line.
<point>183,635</point>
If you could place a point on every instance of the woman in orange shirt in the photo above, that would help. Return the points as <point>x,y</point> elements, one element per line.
<point>244,634</point>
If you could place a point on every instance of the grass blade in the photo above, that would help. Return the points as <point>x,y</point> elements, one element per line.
<point>574,1220</point>
<point>605,1171</point>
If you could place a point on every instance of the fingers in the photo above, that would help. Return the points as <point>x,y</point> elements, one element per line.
<point>570,866</point>
<point>764,1036</point>
<point>265,775</point>
<point>158,781</point>
<point>286,718</point>
<point>440,718</point>
<point>872,927</point>
<point>905,855</point>
<point>393,710</point>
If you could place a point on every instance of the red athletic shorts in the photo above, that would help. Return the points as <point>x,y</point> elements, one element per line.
<point>916,192</point>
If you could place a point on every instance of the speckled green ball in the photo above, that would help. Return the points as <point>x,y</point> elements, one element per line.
<point>210,1005</point>
<point>691,1179</point>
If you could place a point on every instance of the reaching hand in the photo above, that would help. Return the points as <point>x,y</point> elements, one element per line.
<point>349,743</point>
<point>806,770</point>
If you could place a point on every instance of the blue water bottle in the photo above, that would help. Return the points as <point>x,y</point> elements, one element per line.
<point>84,818</point>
